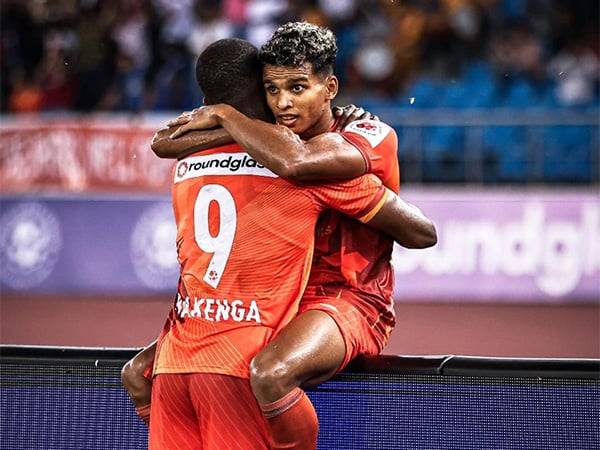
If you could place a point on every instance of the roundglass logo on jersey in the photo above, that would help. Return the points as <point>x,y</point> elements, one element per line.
<point>30,241</point>
<point>220,164</point>
<point>153,251</point>
<point>182,169</point>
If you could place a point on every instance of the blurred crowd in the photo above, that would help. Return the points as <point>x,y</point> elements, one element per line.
<point>136,55</point>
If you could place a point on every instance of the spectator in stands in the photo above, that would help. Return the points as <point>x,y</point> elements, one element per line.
<point>263,17</point>
<point>56,73</point>
<point>26,95</point>
<point>131,37</point>
<point>209,26</point>
<point>137,54</point>
<point>576,71</point>
<point>174,79</point>
<point>517,57</point>
<point>95,56</point>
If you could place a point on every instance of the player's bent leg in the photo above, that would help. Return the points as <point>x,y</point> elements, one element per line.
<point>308,348</point>
<point>134,377</point>
<point>311,347</point>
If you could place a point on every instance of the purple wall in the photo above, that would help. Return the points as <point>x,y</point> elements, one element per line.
<point>505,245</point>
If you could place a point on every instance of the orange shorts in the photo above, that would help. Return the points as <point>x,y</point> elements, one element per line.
<point>200,411</point>
<point>365,329</point>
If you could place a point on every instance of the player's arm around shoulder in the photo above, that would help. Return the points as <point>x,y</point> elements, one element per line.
<point>324,157</point>
<point>404,222</point>
<point>327,156</point>
<point>164,146</point>
<point>360,147</point>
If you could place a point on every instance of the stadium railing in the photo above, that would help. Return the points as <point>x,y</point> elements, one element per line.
<point>68,398</point>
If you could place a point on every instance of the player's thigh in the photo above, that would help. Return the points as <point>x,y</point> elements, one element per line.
<point>310,348</point>
<point>173,423</point>
<point>228,415</point>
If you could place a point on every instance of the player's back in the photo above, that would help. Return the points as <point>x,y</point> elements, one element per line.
<point>244,243</point>
<point>233,214</point>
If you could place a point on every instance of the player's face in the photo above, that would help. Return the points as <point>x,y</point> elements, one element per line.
<point>299,98</point>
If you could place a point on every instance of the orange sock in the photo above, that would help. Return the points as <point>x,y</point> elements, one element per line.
<point>292,422</point>
<point>144,413</point>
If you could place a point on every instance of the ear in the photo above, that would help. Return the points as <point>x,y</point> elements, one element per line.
<point>204,100</point>
<point>331,86</point>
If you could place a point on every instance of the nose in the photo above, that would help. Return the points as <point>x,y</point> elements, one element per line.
<point>284,100</point>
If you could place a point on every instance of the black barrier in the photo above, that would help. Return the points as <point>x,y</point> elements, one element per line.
<point>71,398</point>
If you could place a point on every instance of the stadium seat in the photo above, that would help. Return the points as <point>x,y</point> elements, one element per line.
<point>522,93</point>
<point>426,92</point>
<point>567,154</point>
<point>508,145</point>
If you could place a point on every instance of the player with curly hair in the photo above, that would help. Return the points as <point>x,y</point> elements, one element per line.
<point>347,307</point>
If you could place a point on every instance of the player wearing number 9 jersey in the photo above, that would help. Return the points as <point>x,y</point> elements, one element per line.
<point>245,243</point>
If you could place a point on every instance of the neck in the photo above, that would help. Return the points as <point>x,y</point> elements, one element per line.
<point>323,125</point>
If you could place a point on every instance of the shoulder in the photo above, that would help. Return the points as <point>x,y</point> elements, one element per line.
<point>374,132</point>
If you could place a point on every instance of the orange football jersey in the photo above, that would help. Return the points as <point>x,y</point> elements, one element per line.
<point>351,255</point>
<point>245,245</point>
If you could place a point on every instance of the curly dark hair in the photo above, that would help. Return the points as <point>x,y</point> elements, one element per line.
<point>297,43</point>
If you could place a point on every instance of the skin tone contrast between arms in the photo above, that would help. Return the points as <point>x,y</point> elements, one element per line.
<point>295,96</point>
<point>402,221</point>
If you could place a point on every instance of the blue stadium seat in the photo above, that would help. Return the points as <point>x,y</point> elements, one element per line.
<point>425,91</point>
<point>508,145</point>
<point>522,93</point>
<point>481,81</point>
<point>567,154</point>
<point>443,153</point>
<point>479,93</point>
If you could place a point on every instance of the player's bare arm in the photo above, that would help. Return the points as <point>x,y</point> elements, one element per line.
<point>165,147</point>
<point>278,147</point>
<point>404,222</point>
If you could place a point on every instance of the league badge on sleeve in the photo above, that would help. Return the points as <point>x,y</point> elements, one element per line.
<point>371,130</point>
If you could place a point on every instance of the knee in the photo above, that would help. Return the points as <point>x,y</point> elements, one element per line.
<point>270,377</point>
<point>132,373</point>
<point>133,379</point>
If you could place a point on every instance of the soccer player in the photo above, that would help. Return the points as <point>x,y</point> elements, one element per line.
<point>244,244</point>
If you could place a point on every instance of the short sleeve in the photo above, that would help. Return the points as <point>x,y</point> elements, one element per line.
<point>378,143</point>
<point>360,197</point>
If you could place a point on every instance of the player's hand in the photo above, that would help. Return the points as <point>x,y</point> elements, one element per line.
<point>199,119</point>
<point>350,113</point>
<point>182,119</point>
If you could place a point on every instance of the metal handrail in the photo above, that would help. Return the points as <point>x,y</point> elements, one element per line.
<point>444,365</point>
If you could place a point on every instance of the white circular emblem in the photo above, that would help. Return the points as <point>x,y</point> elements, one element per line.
<point>182,169</point>
<point>30,240</point>
<point>153,248</point>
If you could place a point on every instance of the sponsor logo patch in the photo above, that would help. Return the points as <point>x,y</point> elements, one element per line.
<point>220,164</point>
